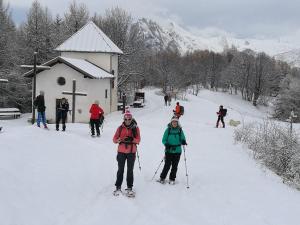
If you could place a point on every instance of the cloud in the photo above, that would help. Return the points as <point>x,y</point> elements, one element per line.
<point>243,18</point>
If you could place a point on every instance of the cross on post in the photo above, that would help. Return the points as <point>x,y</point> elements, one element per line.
<point>292,116</point>
<point>74,93</point>
<point>34,67</point>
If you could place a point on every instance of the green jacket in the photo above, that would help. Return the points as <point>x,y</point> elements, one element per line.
<point>173,138</point>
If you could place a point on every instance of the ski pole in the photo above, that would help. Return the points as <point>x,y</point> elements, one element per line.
<point>137,153</point>
<point>186,173</point>
<point>102,126</point>
<point>158,168</point>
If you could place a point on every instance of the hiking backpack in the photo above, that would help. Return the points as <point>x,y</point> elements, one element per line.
<point>224,112</point>
<point>181,110</point>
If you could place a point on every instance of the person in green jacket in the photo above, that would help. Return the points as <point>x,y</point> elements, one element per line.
<point>173,139</point>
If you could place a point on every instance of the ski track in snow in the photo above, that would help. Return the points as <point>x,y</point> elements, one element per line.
<point>67,178</point>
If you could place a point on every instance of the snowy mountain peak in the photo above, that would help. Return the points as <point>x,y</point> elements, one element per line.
<point>173,35</point>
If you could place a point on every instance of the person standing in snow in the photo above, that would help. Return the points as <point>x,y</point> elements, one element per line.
<point>222,112</point>
<point>39,103</point>
<point>127,137</point>
<point>96,113</point>
<point>166,98</point>
<point>177,110</point>
<point>62,113</point>
<point>173,138</point>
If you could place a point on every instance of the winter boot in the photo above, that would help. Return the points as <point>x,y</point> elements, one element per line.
<point>117,192</point>
<point>172,182</point>
<point>162,181</point>
<point>130,193</point>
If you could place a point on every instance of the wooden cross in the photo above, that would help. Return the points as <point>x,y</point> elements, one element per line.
<point>3,80</point>
<point>74,93</point>
<point>34,67</point>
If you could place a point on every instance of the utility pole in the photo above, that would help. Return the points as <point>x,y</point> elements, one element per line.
<point>34,67</point>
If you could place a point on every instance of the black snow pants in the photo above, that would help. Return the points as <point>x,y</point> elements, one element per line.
<point>222,120</point>
<point>171,159</point>
<point>95,123</point>
<point>121,158</point>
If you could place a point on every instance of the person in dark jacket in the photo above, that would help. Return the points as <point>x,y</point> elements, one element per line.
<point>166,98</point>
<point>62,113</point>
<point>39,103</point>
<point>96,113</point>
<point>127,136</point>
<point>221,115</point>
<point>173,138</point>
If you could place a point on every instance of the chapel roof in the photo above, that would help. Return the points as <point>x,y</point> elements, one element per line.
<point>90,38</point>
<point>83,66</point>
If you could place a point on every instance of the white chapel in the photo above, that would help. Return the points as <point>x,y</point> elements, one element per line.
<point>91,59</point>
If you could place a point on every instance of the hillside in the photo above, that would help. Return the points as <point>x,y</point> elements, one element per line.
<point>57,178</point>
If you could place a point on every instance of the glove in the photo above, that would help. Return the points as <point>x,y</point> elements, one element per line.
<point>183,142</point>
<point>128,139</point>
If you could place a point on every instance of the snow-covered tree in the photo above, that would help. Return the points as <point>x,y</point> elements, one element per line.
<point>75,18</point>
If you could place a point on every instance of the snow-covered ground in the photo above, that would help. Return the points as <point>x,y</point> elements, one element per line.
<point>57,178</point>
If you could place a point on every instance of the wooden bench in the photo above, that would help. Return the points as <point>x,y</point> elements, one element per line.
<point>10,112</point>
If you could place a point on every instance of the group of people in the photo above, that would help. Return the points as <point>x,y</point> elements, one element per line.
<point>62,109</point>
<point>127,136</point>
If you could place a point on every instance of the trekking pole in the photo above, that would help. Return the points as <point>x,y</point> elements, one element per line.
<point>186,173</point>
<point>102,126</point>
<point>137,153</point>
<point>158,168</point>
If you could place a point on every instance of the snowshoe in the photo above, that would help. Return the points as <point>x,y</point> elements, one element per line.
<point>162,181</point>
<point>117,192</point>
<point>129,193</point>
<point>172,182</point>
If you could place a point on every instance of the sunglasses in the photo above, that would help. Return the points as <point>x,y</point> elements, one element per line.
<point>127,119</point>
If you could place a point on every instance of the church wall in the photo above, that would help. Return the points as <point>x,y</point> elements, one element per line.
<point>95,88</point>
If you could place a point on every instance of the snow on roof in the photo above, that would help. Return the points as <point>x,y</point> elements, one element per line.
<point>83,66</point>
<point>88,67</point>
<point>89,39</point>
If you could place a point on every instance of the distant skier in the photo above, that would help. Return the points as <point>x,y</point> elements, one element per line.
<point>173,138</point>
<point>166,98</point>
<point>39,103</point>
<point>127,136</point>
<point>96,114</point>
<point>221,114</point>
<point>179,110</point>
<point>62,113</point>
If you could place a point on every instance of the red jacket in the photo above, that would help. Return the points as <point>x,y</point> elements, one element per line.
<point>123,132</point>
<point>96,111</point>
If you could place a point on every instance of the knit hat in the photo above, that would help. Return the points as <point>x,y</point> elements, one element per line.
<point>127,114</point>
<point>174,118</point>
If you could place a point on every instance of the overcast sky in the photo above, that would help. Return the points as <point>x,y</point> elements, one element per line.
<point>243,18</point>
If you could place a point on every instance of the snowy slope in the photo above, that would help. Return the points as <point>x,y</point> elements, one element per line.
<point>160,36</point>
<point>56,178</point>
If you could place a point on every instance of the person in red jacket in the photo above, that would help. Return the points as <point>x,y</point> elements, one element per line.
<point>96,113</point>
<point>127,136</point>
<point>177,110</point>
